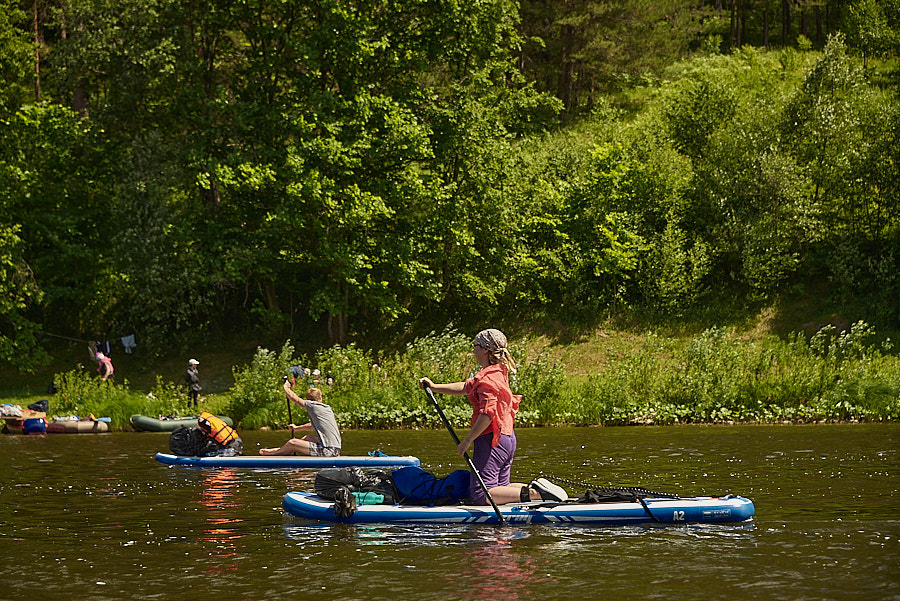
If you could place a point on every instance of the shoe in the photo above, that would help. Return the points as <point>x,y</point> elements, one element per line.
<point>548,490</point>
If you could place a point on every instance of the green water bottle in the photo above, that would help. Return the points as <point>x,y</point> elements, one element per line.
<point>368,498</point>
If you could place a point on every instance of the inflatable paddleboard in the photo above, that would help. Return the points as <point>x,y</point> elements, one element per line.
<point>692,510</point>
<point>282,461</point>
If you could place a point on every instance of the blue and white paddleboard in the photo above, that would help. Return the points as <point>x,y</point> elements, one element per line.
<point>283,461</point>
<point>693,510</point>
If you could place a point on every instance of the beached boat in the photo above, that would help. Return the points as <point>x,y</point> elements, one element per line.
<point>145,423</point>
<point>693,510</point>
<point>283,461</point>
<point>78,426</point>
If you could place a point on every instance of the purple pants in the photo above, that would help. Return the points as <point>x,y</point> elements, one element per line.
<point>493,463</point>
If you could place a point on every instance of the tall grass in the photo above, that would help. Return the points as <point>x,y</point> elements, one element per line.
<point>715,377</point>
<point>718,377</point>
<point>80,394</point>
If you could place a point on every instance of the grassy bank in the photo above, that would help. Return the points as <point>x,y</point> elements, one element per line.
<point>611,377</point>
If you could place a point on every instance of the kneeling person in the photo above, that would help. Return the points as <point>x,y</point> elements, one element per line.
<point>326,442</point>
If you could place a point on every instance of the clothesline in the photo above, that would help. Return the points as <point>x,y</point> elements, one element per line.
<point>127,341</point>
<point>66,337</point>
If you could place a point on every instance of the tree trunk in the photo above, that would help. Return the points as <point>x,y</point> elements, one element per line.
<point>210,194</point>
<point>733,32</point>
<point>819,33</point>
<point>766,26</point>
<point>271,296</point>
<point>337,328</point>
<point>566,71</point>
<point>37,56</point>
<point>785,22</point>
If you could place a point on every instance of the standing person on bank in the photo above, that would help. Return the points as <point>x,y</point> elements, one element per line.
<point>192,377</point>
<point>491,435</point>
<point>105,369</point>
<point>326,442</point>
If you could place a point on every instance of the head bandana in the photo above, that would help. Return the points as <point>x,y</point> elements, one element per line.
<point>494,342</point>
<point>491,339</point>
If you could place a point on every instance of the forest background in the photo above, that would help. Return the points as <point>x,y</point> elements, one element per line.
<point>678,210</point>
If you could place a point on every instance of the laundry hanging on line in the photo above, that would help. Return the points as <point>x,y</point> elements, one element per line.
<point>129,343</point>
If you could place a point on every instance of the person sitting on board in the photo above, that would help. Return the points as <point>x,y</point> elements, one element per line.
<point>326,442</point>
<point>491,434</point>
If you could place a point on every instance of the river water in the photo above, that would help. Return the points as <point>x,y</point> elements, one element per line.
<point>95,516</point>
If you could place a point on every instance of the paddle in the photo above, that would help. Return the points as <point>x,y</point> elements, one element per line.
<point>288,401</point>
<point>465,455</point>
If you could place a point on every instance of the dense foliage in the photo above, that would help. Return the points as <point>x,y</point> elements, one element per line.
<point>172,169</point>
<point>714,377</point>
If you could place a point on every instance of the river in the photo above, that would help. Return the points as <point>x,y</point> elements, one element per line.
<point>95,516</point>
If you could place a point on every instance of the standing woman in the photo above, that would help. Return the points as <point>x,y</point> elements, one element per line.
<point>105,367</point>
<point>491,435</point>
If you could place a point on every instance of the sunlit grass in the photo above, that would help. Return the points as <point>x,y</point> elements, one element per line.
<point>719,375</point>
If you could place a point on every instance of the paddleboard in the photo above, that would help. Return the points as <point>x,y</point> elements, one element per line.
<point>282,461</point>
<point>692,510</point>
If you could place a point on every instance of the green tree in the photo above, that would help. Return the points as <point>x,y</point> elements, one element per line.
<point>55,181</point>
<point>695,109</point>
<point>19,336</point>
<point>581,49</point>
<point>16,57</point>
<point>832,125</point>
<point>867,28</point>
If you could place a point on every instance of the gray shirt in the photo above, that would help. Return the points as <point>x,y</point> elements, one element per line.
<point>321,416</point>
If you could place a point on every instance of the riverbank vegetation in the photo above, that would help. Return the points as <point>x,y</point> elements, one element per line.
<point>715,377</point>
<point>352,176</point>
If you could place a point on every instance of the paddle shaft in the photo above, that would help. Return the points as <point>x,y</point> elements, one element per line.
<point>465,455</point>
<point>287,399</point>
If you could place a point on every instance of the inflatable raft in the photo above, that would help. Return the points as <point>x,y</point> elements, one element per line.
<point>80,426</point>
<point>693,510</point>
<point>144,423</point>
<point>282,461</point>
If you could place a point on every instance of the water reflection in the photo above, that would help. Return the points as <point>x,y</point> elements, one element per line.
<point>379,535</point>
<point>497,570</point>
<point>220,532</point>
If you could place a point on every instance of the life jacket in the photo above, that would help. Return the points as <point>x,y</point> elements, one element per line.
<point>217,429</point>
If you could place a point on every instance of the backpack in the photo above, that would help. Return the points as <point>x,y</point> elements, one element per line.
<point>330,481</point>
<point>416,486</point>
<point>43,406</point>
<point>187,441</point>
<point>204,440</point>
<point>344,487</point>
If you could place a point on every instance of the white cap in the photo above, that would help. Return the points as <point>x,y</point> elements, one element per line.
<point>316,372</point>
<point>193,362</point>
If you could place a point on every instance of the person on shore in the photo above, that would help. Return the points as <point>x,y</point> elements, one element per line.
<point>491,435</point>
<point>192,377</point>
<point>105,367</point>
<point>326,442</point>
